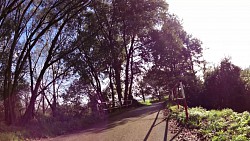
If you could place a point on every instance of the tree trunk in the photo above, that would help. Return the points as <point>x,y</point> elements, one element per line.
<point>43,101</point>
<point>131,76</point>
<point>9,107</point>
<point>142,93</point>
<point>129,54</point>
<point>54,108</point>
<point>9,103</point>
<point>143,97</point>
<point>117,74</point>
<point>118,83</point>
<point>111,87</point>
<point>29,113</point>
<point>126,80</point>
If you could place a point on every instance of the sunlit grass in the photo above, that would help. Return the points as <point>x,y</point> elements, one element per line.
<point>147,102</point>
<point>11,133</point>
<point>9,137</point>
<point>218,125</point>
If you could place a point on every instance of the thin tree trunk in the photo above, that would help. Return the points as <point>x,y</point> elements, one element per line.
<point>126,80</point>
<point>43,100</point>
<point>29,113</point>
<point>143,96</point>
<point>129,54</point>
<point>131,76</point>
<point>54,108</point>
<point>111,87</point>
<point>118,83</point>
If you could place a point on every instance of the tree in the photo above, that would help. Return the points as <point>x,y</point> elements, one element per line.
<point>174,54</point>
<point>143,89</point>
<point>224,88</point>
<point>245,75</point>
<point>120,25</point>
<point>32,20</point>
<point>79,94</point>
<point>64,13</point>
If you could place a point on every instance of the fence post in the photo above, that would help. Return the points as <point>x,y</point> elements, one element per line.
<point>184,100</point>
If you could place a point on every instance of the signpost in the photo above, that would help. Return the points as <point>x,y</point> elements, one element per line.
<point>178,95</point>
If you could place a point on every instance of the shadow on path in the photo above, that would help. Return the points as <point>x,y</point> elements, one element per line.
<point>169,134</point>
<point>125,117</point>
<point>166,129</point>
<point>152,126</point>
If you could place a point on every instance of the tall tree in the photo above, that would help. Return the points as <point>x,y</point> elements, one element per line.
<point>174,54</point>
<point>224,88</point>
<point>121,24</point>
<point>31,21</point>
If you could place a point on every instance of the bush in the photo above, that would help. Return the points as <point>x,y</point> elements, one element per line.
<point>219,125</point>
<point>11,133</point>
<point>225,88</point>
<point>10,137</point>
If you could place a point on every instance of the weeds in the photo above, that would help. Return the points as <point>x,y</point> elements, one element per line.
<point>218,125</point>
<point>147,102</point>
<point>11,133</point>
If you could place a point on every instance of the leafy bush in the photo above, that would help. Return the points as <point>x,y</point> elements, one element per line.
<point>225,88</point>
<point>147,102</point>
<point>219,125</point>
<point>53,126</point>
<point>11,133</point>
<point>9,137</point>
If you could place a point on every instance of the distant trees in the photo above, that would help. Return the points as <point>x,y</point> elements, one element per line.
<point>225,88</point>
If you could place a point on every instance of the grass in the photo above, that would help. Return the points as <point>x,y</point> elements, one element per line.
<point>147,102</point>
<point>11,133</point>
<point>47,126</point>
<point>9,137</point>
<point>217,125</point>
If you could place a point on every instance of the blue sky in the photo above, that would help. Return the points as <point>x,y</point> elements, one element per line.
<point>222,25</point>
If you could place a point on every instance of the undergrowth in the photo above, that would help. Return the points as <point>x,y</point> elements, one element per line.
<point>217,125</point>
<point>146,102</point>
<point>11,133</point>
<point>44,127</point>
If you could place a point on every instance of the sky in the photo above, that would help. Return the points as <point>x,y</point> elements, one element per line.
<point>223,26</point>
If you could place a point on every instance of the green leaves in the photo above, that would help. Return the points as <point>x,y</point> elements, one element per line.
<point>217,124</point>
<point>224,87</point>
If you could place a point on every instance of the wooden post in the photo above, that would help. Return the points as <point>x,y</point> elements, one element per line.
<point>176,96</point>
<point>184,100</point>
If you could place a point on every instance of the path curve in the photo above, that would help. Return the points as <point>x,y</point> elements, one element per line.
<point>142,124</point>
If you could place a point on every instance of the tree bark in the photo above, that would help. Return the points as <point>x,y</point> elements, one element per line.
<point>111,87</point>
<point>118,82</point>
<point>129,56</point>
<point>142,93</point>
<point>131,75</point>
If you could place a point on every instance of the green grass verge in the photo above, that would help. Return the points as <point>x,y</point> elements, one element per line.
<point>218,125</point>
<point>11,136</point>
<point>47,126</point>
<point>11,133</point>
<point>147,102</point>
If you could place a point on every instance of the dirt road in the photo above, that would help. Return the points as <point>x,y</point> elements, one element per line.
<point>142,124</point>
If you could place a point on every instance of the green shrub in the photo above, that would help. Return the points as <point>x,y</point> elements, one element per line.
<point>147,102</point>
<point>219,125</point>
<point>11,136</point>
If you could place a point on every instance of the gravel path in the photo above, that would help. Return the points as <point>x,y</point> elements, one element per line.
<point>142,124</point>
